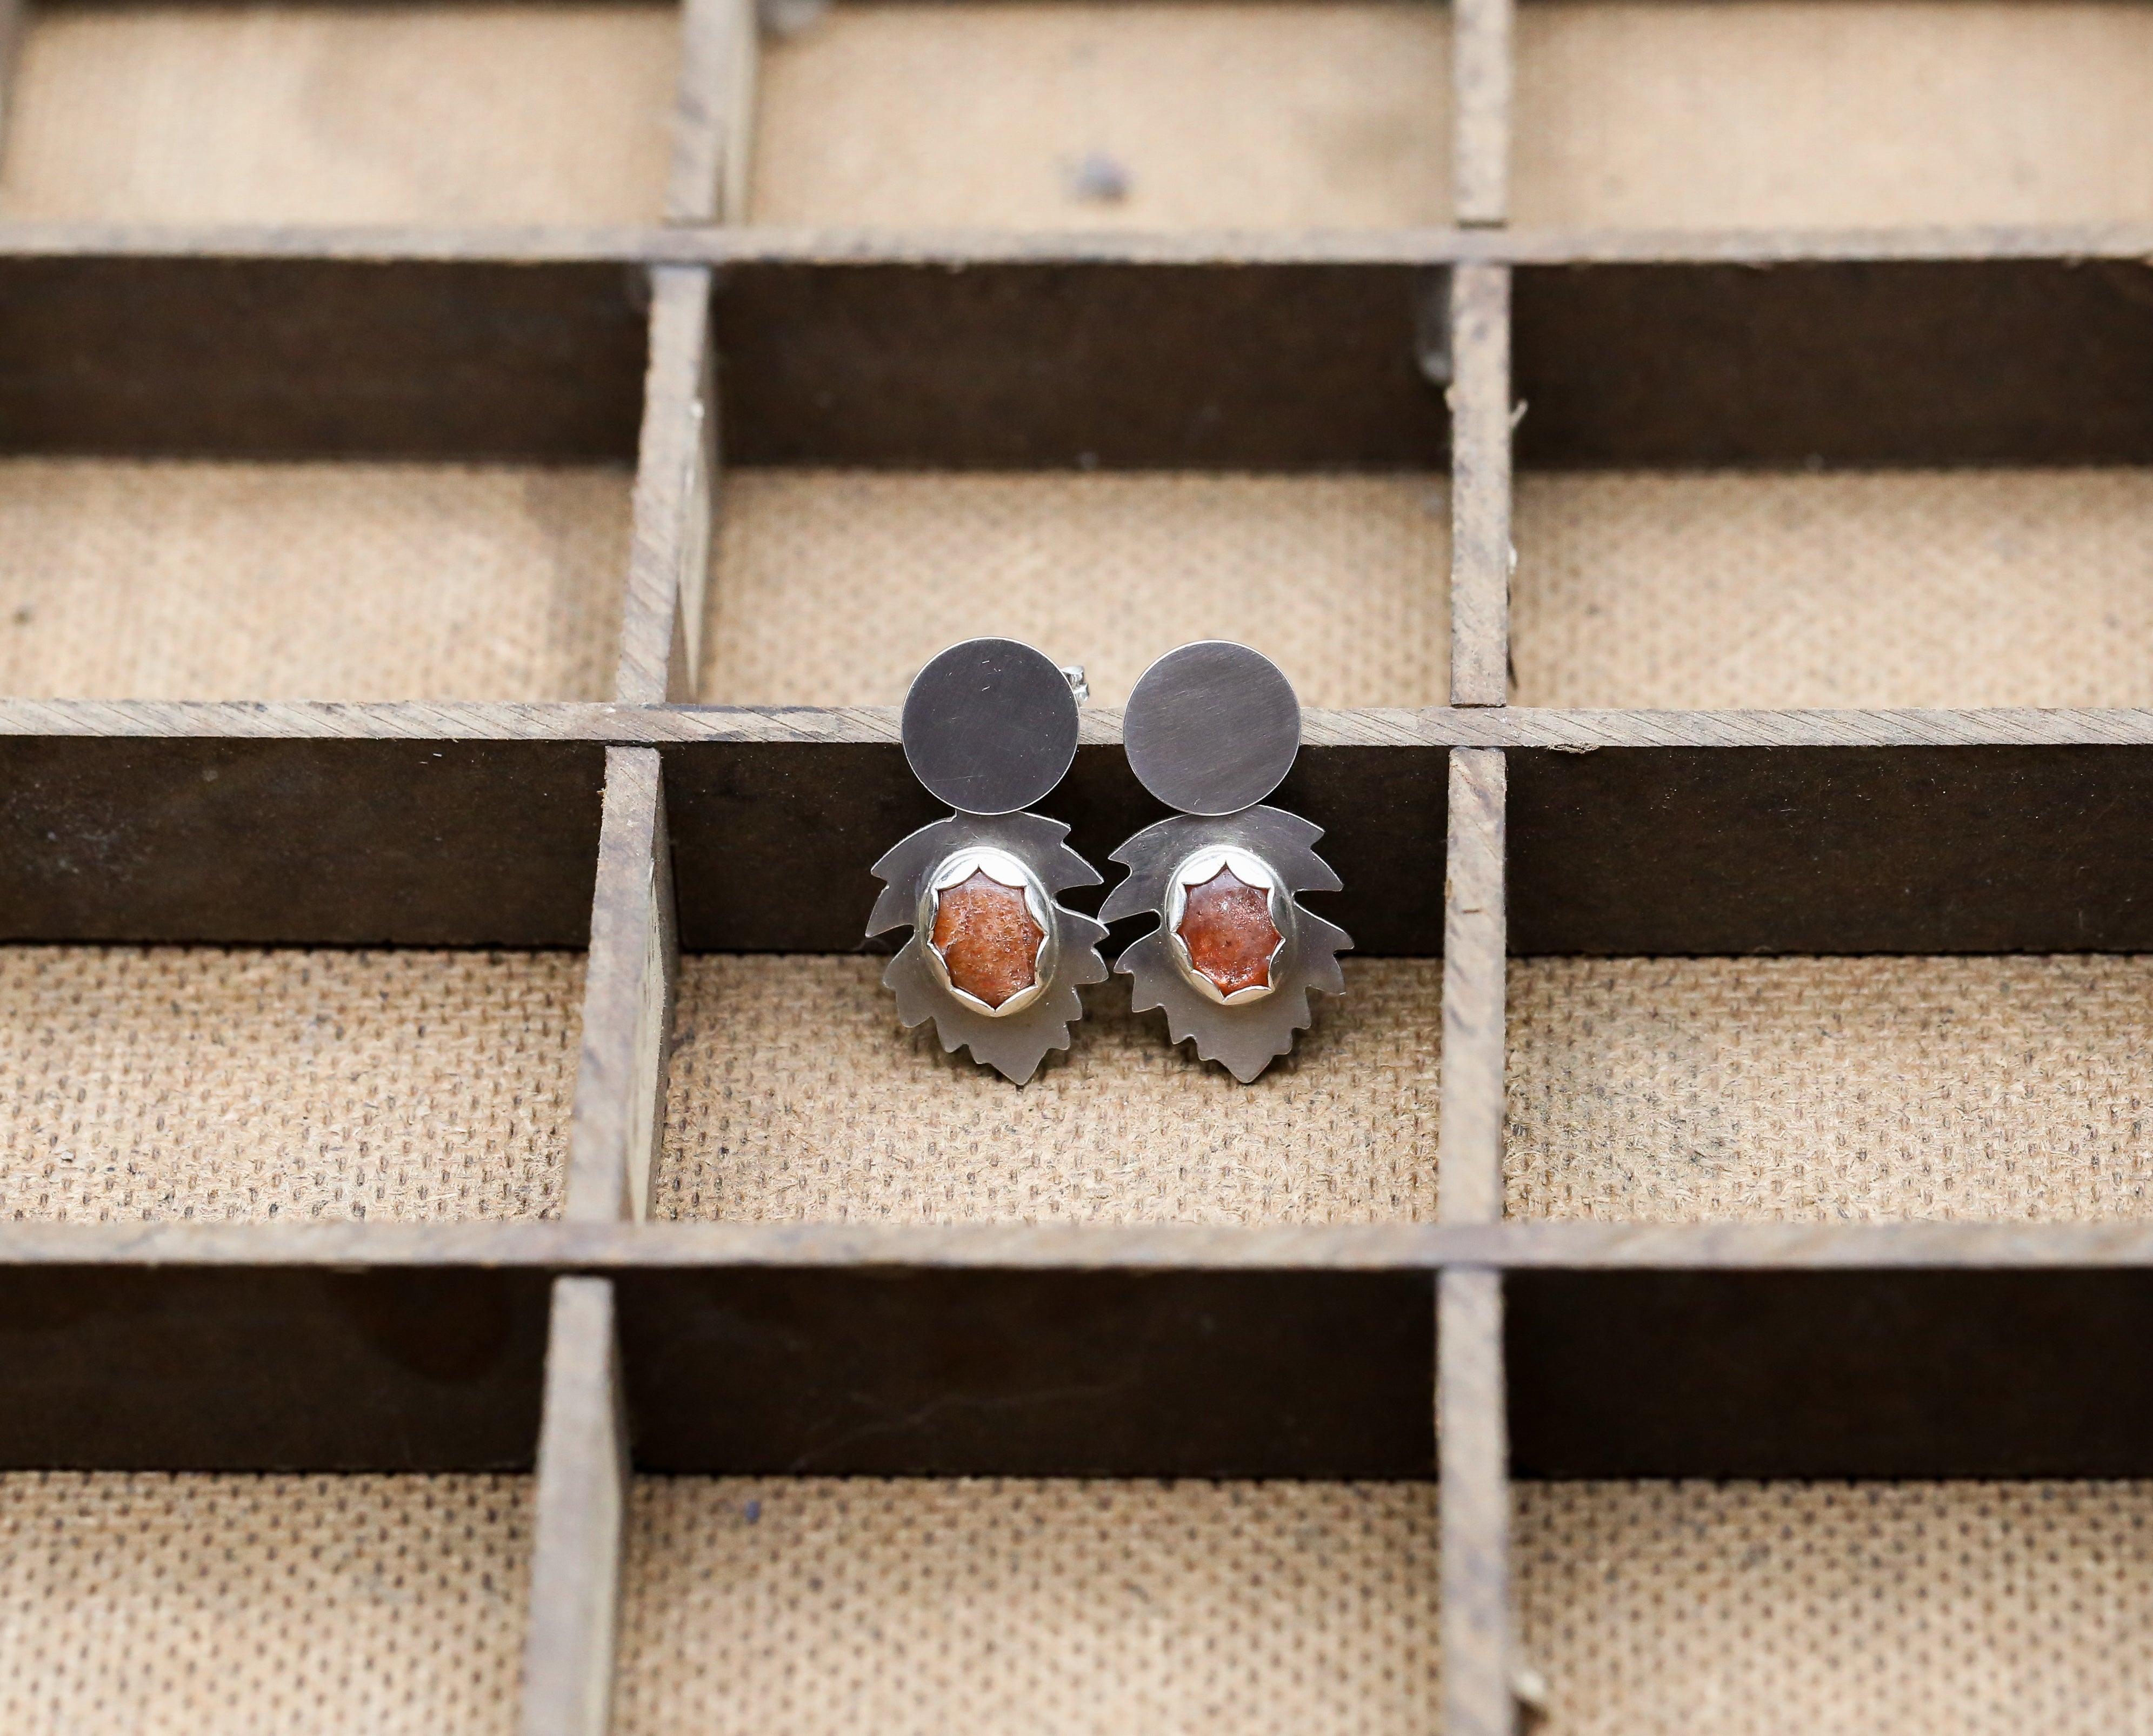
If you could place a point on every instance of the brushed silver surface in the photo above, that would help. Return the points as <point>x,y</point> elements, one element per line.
<point>1212,727</point>
<point>989,726</point>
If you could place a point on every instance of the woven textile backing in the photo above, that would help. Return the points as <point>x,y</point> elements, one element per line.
<point>1652,115</point>
<point>205,581</point>
<point>1918,111</point>
<point>1964,588</point>
<point>209,580</point>
<point>391,1604</point>
<point>1775,113</point>
<point>1225,115</point>
<point>341,113</point>
<point>248,1606</point>
<point>819,1605</point>
<point>796,1095</point>
<point>832,587</point>
<point>1973,588</point>
<point>1920,1608</point>
<point>1695,1089</point>
<point>169,1082</point>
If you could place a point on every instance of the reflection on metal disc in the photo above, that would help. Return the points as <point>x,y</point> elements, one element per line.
<point>1212,728</point>
<point>989,726</point>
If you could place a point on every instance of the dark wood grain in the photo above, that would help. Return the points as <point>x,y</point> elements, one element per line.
<point>2022,347</point>
<point>1062,365</point>
<point>1851,1373</point>
<point>262,1368</point>
<point>298,358</point>
<point>478,826</point>
<point>1841,362</point>
<point>1734,1350</point>
<point>326,842</point>
<point>884,1371</point>
<point>1913,850</point>
<point>772,843</point>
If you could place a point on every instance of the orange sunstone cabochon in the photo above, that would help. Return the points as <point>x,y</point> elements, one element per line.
<point>988,941</point>
<point>1226,925</point>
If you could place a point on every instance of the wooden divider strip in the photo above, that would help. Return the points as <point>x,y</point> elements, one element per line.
<point>1470,1143</point>
<point>582,1498</point>
<point>676,454</point>
<point>618,1121</point>
<point>1480,432</point>
<point>714,113</point>
<point>1482,76</point>
<point>1472,1426</point>
<point>674,475</point>
<point>618,1124</point>
<point>1473,1437</point>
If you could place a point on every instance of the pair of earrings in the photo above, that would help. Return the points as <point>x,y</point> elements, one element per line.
<point>995,960</point>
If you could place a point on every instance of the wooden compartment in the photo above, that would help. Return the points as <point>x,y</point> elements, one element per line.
<point>815,1604</point>
<point>339,114</point>
<point>1211,114</point>
<point>796,1096</point>
<point>1907,1606</point>
<point>204,579</point>
<point>139,1600</point>
<point>1962,587</point>
<point>146,1084</point>
<point>1817,114</point>
<point>832,587</point>
<point>1823,1090</point>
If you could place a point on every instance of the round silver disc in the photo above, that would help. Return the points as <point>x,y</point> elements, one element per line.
<point>989,726</point>
<point>1212,728</point>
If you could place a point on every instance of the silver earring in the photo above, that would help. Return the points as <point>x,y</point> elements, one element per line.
<point>994,959</point>
<point>1212,728</point>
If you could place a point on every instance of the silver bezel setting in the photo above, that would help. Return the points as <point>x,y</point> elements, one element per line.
<point>1201,867</point>
<point>1247,1037</point>
<point>1004,869</point>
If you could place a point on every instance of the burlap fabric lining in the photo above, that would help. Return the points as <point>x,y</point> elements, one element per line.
<point>1956,1609</point>
<point>832,587</point>
<point>1220,115</point>
<point>1687,1089</point>
<point>391,1604</point>
<point>1968,588</point>
<point>140,1604</point>
<point>167,580</point>
<point>795,1095</point>
<point>167,1083</point>
<point>1793,113</point>
<point>170,580</point>
<point>1775,112</point>
<point>1973,588</point>
<point>1223,115</point>
<point>443,112</point>
<point>1023,1607</point>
